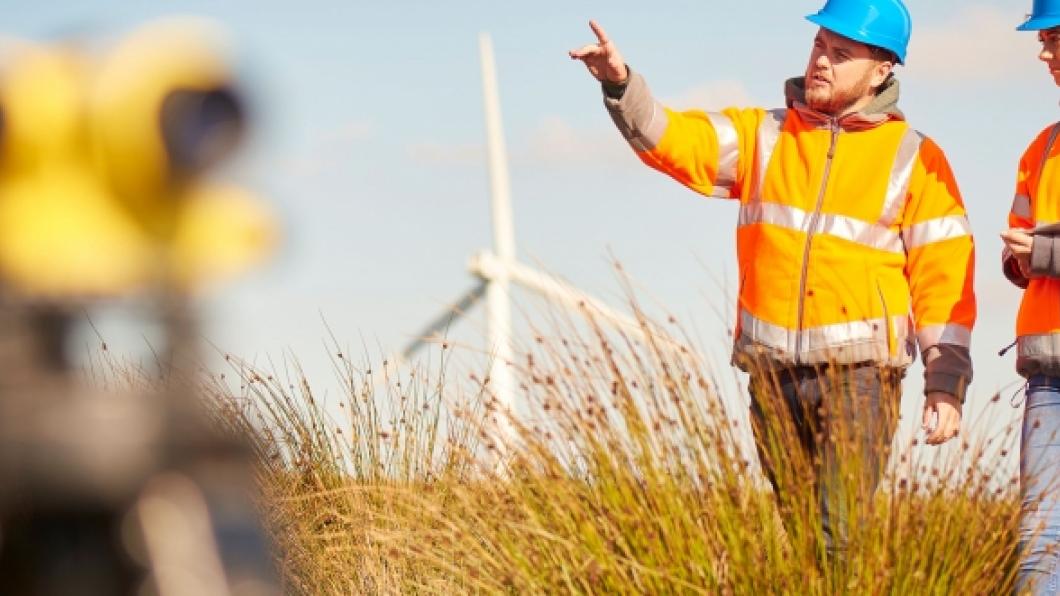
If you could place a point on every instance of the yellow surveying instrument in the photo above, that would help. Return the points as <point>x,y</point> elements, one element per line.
<point>104,194</point>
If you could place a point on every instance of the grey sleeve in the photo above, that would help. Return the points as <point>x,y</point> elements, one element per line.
<point>638,116</point>
<point>615,91</point>
<point>1045,256</point>
<point>947,368</point>
<point>1011,268</point>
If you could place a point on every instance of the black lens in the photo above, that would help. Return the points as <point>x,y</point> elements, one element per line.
<point>200,128</point>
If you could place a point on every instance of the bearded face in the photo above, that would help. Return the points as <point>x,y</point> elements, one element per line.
<point>829,96</point>
<point>842,74</point>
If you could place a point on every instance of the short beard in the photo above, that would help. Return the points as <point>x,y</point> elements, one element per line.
<point>832,101</point>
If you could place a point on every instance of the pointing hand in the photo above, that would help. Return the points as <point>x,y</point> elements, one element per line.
<point>602,58</point>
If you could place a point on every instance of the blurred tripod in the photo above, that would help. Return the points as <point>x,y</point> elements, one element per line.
<point>103,194</point>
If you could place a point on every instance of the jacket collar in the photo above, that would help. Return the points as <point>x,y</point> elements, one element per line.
<point>883,108</point>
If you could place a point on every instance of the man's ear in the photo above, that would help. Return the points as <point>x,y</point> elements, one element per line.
<point>881,71</point>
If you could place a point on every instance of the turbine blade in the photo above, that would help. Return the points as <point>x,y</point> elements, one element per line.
<point>442,323</point>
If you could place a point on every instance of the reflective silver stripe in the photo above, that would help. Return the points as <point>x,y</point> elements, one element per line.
<point>768,133</point>
<point>1040,343</point>
<point>775,214</point>
<point>901,172</point>
<point>834,335</point>
<point>950,333</point>
<point>1021,206</point>
<point>728,154</point>
<point>936,230</point>
<point>855,230</point>
<point>841,226</point>
<point>1038,353</point>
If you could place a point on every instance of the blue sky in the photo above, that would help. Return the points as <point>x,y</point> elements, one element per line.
<point>370,147</point>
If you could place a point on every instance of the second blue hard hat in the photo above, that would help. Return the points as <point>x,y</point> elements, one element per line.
<point>1044,15</point>
<point>882,23</point>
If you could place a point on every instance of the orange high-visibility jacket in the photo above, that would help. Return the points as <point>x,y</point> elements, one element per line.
<point>1036,204</point>
<point>852,239</point>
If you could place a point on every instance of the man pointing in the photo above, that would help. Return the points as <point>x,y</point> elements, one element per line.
<point>852,242</point>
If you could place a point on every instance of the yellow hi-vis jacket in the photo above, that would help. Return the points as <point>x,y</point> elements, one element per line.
<point>852,240</point>
<point>1037,204</point>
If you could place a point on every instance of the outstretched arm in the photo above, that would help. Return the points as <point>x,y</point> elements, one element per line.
<point>702,150</point>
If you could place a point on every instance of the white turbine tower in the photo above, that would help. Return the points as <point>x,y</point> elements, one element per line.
<point>498,269</point>
<point>498,305</point>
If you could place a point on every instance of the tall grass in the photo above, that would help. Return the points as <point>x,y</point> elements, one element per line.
<point>621,470</point>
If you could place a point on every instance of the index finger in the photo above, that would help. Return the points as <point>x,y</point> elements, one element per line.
<point>1021,239</point>
<point>601,35</point>
<point>1014,237</point>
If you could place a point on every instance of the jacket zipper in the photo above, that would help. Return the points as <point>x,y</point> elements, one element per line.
<point>834,124</point>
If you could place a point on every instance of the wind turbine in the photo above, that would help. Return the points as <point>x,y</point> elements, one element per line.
<point>496,270</point>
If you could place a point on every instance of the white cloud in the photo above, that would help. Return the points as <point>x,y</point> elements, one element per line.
<point>553,141</point>
<point>556,141</point>
<point>350,132</point>
<point>326,150</point>
<point>714,95</point>
<point>979,43</point>
<point>435,153</point>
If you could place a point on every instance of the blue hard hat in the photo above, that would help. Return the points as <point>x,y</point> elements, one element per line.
<point>882,23</point>
<point>1044,15</point>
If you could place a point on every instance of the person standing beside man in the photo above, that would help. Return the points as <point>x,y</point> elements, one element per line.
<point>853,247</point>
<point>1031,260</point>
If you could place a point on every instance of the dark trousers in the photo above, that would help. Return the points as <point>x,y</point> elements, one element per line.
<point>824,436</point>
